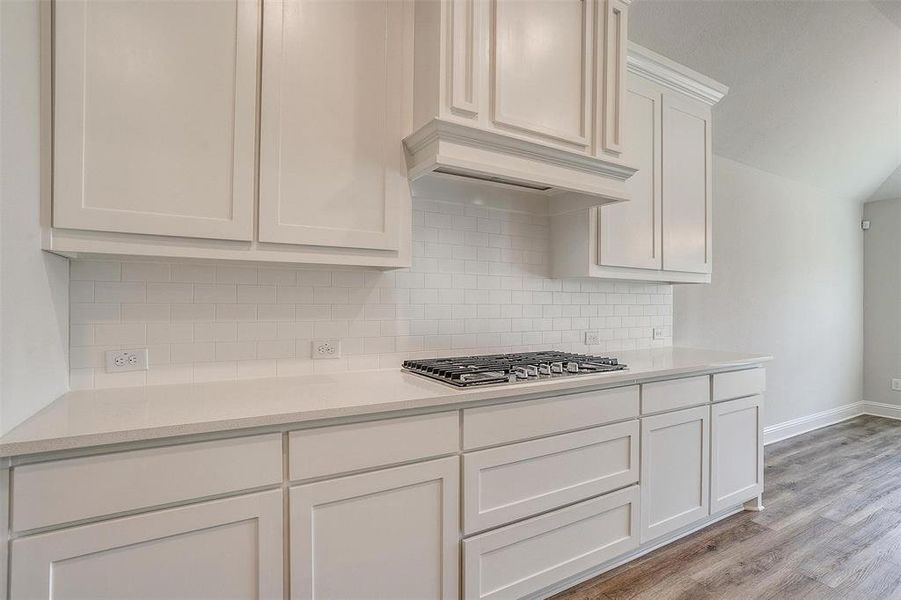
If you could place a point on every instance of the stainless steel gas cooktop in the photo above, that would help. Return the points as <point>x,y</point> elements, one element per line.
<point>466,371</point>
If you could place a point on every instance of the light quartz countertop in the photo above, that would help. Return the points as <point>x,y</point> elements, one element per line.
<point>82,419</point>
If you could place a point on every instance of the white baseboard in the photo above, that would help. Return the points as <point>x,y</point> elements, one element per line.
<point>787,429</point>
<point>878,409</point>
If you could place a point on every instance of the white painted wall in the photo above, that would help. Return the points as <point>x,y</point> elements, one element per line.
<point>34,291</point>
<point>787,281</point>
<point>882,301</point>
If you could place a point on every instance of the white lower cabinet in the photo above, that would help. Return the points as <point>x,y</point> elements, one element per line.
<point>675,466</point>
<point>736,452</point>
<point>229,548</point>
<point>392,533</point>
<point>552,489</point>
<point>526,557</point>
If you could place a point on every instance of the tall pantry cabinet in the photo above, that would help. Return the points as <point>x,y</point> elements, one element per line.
<point>157,149</point>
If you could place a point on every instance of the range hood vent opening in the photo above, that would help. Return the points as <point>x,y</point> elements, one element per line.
<point>493,179</point>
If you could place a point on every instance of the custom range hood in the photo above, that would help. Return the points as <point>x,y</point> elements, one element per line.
<point>495,102</point>
<point>452,150</point>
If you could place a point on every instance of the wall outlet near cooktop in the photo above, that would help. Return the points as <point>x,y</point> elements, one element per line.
<point>120,361</point>
<point>896,385</point>
<point>326,348</point>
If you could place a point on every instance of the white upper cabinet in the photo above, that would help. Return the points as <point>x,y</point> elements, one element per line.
<point>155,117</point>
<point>663,232</point>
<point>334,104</point>
<point>523,92</point>
<point>686,185</point>
<point>541,55</point>
<point>157,129</point>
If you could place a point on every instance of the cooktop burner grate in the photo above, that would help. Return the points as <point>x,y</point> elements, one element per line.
<point>466,371</point>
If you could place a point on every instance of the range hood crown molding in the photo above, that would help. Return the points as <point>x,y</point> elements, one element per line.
<point>450,149</point>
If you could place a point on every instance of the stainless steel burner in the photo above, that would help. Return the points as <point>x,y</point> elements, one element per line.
<point>465,371</point>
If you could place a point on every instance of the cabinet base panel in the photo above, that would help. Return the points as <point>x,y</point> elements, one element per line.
<point>754,505</point>
<point>72,243</point>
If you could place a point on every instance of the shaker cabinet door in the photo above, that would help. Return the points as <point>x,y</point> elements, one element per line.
<point>386,534</point>
<point>686,185</point>
<point>630,231</point>
<point>736,452</point>
<point>155,108</point>
<point>335,105</point>
<point>675,462</point>
<point>541,53</point>
<point>214,550</point>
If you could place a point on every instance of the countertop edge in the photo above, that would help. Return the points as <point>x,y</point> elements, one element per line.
<point>453,401</point>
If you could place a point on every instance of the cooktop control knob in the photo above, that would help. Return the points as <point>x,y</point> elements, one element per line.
<point>520,372</point>
<point>532,370</point>
<point>572,367</point>
<point>556,367</point>
<point>544,369</point>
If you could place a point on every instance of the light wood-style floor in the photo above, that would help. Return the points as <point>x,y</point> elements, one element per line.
<point>831,530</point>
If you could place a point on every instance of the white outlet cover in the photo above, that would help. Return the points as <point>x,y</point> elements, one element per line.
<point>326,348</point>
<point>120,361</point>
<point>657,333</point>
<point>896,385</point>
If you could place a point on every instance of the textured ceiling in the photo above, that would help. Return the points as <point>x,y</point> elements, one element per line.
<point>815,85</point>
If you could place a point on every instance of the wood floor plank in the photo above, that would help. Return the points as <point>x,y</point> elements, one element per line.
<point>831,530</point>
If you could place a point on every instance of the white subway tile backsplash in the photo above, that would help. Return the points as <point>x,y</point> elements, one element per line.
<point>81,291</point>
<point>146,313</point>
<point>106,334</point>
<point>115,291</point>
<point>170,292</point>
<point>89,270</point>
<point>141,271</point>
<point>478,284</point>
<point>256,294</point>
<point>190,273</point>
<point>193,312</point>
<point>215,332</point>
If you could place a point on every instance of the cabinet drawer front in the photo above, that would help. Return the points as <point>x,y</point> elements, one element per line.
<point>343,448</point>
<point>229,548</point>
<point>81,488</point>
<point>738,384</point>
<point>527,557</point>
<point>511,482</point>
<point>499,424</point>
<point>677,393</point>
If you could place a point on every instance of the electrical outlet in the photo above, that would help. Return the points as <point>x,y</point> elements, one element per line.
<point>592,338</point>
<point>327,348</point>
<point>657,333</point>
<point>896,385</point>
<point>118,361</point>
